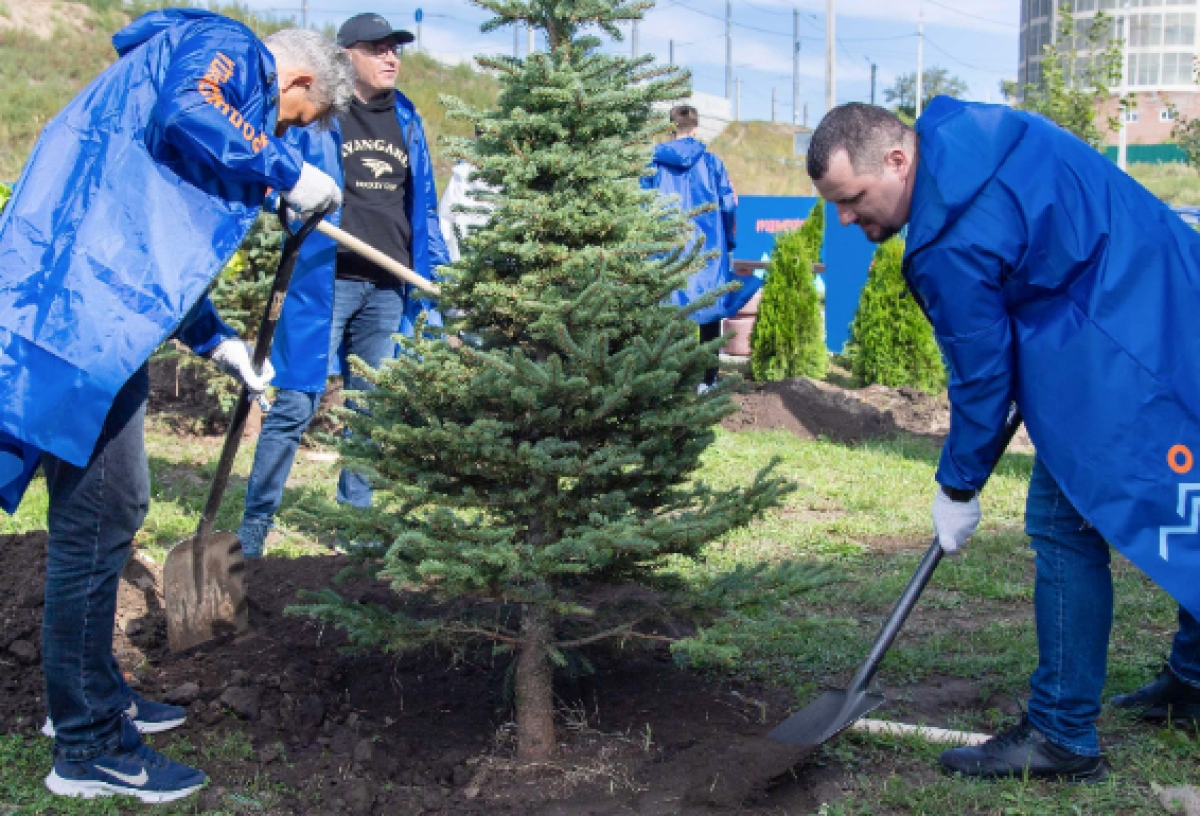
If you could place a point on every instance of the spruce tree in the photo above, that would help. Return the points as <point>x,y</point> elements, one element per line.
<point>891,341</point>
<point>555,449</point>
<point>788,339</point>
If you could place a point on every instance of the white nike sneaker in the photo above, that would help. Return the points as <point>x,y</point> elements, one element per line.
<point>133,769</point>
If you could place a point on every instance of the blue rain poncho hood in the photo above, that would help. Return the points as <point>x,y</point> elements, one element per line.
<point>1055,280</point>
<point>686,169</point>
<point>132,200</point>
<point>300,353</point>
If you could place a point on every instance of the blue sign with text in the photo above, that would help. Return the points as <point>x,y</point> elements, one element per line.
<point>847,253</point>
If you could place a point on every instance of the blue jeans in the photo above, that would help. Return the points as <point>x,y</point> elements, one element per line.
<point>365,319</point>
<point>94,513</point>
<point>1073,611</point>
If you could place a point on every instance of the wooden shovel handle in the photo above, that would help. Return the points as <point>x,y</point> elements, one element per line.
<point>372,254</point>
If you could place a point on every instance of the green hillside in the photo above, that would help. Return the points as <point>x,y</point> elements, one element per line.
<point>50,51</point>
<point>760,160</point>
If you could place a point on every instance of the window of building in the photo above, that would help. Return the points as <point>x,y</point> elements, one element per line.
<point>1085,5</point>
<point>1177,69</point>
<point>1147,69</point>
<point>1145,30</point>
<point>1131,117</point>
<point>1166,115</point>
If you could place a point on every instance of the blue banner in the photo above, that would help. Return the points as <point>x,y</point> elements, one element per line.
<point>847,253</point>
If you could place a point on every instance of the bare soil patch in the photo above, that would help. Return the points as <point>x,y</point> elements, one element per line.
<point>812,409</point>
<point>421,733</point>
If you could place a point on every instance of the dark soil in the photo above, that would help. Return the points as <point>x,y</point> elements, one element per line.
<point>421,733</point>
<point>812,409</point>
<point>180,398</point>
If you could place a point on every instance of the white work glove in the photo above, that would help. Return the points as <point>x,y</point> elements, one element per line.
<point>233,356</point>
<point>954,521</point>
<point>315,191</point>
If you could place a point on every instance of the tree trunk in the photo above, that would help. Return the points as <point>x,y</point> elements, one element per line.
<point>535,694</point>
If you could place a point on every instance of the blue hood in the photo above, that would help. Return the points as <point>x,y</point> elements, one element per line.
<point>681,153</point>
<point>148,25</point>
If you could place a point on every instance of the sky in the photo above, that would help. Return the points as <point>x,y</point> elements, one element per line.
<point>976,40</point>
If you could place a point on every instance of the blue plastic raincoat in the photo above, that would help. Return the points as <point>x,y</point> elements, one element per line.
<point>132,200</point>
<point>300,353</point>
<point>686,169</point>
<point>1054,279</point>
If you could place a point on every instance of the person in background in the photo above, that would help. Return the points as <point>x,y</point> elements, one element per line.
<point>132,201</point>
<point>685,168</point>
<point>341,305</point>
<point>461,192</point>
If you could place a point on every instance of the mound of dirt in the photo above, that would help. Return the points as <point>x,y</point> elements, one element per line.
<point>812,409</point>
<point>420,733</point>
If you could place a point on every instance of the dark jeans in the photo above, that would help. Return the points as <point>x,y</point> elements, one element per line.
<point>1073,610</point>
<point>94,513</point>
<point>365,319</point>
<point>708,333</point>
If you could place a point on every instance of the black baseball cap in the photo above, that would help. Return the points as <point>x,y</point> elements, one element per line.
<point>369,28</point>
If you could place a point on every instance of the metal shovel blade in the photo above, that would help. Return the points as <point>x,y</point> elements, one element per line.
<point>207,590</point>
<point>826,717</point>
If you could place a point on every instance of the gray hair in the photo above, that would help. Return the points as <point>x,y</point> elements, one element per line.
<point>330,66</point>
<point>865,132</point>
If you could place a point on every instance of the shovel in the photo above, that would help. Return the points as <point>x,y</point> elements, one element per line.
<point>835,711</point>
<point>204,576</point>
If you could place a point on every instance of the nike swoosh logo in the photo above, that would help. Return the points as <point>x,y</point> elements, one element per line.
<point>137,781</point>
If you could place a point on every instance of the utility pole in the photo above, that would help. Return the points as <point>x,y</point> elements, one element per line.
<point>830,55</point>
<point>795,67</point>
<point>516,40</point>
<point>728,48</point>
<point>1123,136</point>
<point>920,59</point>
<point>670,52</point>
<point>737,100</point>
<point>873,66</point>
<point>634,49</point>
<point>303,13</point>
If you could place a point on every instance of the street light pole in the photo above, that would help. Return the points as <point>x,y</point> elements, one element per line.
<point>1123,136</point>
<point>920,59</point>
<point>795,66</point>
<point>728,48</point>
<point>830,55</point>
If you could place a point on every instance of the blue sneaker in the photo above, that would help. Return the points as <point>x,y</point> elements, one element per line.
<point>148,716</point>
<point>133,769</point>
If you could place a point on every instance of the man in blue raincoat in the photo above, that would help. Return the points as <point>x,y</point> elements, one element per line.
<point>132,200</point>
<point>1054,281</point>
<point>341,305</point>
<point>686,169</point>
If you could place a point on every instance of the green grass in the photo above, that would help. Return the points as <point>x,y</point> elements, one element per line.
<point>861,510</point>
<point>760,159</point>
<point>1174,183</point>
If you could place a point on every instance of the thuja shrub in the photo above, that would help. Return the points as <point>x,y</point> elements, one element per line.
<point>891,341</point>
<point>788,338</point>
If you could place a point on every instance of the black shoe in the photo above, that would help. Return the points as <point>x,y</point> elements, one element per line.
<point>1022,751</point>
<point>1167,696</point>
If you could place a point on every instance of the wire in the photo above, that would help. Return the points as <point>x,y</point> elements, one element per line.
<point>972,16</point>
<point>965,64</point>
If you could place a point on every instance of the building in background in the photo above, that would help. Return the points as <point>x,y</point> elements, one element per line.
<point>1162,53</point>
